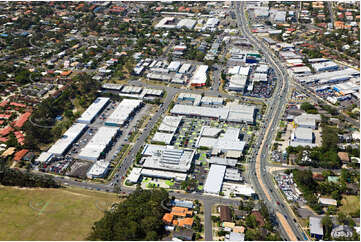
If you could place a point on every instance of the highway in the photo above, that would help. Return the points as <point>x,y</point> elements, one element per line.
<point>262,181</point>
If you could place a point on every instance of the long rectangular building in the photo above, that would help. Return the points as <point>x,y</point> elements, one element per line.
<point>122,112</point>
<point>233,112</point>
<point>99,143</point>
<point>215,179</point>
<point>69,137</point>
<point>93,110</point>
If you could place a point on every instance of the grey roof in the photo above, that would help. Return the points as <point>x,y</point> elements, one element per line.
<point>215,179</point>
<point>316,226</point>
<point>93,110</point>
<point>235,237</point>
<point>223,161</point>
<point>303,133</point>
<point>69,137</point>
<point>231,112</point>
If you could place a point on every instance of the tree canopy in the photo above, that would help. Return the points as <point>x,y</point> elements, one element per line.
<point>139,217</point>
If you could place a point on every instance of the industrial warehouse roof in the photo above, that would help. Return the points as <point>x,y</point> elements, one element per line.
<point>67,139</point>
<point>316,226</point>
<point>170,123</point>
<point>122,112</point>
<point>262,68</point>
<point>231,112</point>
<point>134,175</point>
<point>223,161</point>
<point>303,133</point>
<point>98,169</point>
<point>164,174</point>
<point>112,86</point>
<point>208,131</point>
<point>324,65</point>
<point>93,110</point>
<point>170,159</point>
<point>165,138</point>
<point>44,157</point>
<point>200,75</point>
<point>185,68</point>
<point>325,77</point>
<point>188,23</point>
<point>214,179</point>
<point>307,119</point>
<point>98,143</point>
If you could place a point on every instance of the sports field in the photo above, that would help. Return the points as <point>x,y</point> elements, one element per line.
<point>50,214</point>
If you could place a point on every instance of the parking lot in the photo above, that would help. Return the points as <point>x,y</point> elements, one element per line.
<point>78,167</point>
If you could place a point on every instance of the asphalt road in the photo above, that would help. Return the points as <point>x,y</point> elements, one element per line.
<point>273,113</point>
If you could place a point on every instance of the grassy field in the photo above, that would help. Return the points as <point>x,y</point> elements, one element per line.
<point>50,214</point>
<point>350,204</point>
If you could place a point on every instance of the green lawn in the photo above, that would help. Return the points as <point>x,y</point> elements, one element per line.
<point>50,214</point>
<point>350,204</point>
<point>169,183</point>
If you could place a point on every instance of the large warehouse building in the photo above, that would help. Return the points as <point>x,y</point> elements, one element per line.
<point>99,143</point>
<point>229,141</point>
<point>177,160</point>
<point>93,110</point>
<point>70,136</point>
<point>232,112</point>
<point>215,179</point>
<point>122,112</point>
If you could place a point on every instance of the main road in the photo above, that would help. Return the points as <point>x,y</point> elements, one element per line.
<point>262,181</point>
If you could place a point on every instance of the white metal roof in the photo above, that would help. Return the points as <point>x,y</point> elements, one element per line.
<point>98,143</point>
<point>214,179</point>
<point>122,112</point>
<point>316,226</point>
<point>98,169</point>
<point>93,110</point>
<point>166,138</point>
<point>303,133</point>
<point>134,175</point>
<point>170,123</point>
<point>67,139</point>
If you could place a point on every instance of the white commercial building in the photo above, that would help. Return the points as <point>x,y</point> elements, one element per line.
<point>325,66</point>
<point>165,138</point>
<point>93,110</point>
<point>187,23</point>
<point>170,124</point>
<point>164,174</point>
<point>232,112</point>
<point>44,157</point>
<point>302,135</point>
<point>99,169</point>
<point>239,189</point>
<point>211,23</point>
<point>167,158</point>
<point>215,179</point>
<point>199,77</point>
<point>330,77</point>
<point>167,23</point>
<point>237,83</point>
<point>307,120</point>
<point>185,68</point>
<point>134,175</point>
<point>99,143</point>
<point>122,112</point>
<point>174,66</point>
<point>69,137</point>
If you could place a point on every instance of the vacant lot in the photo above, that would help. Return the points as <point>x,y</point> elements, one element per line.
<point>350,204</point>
<point>50,214</point>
